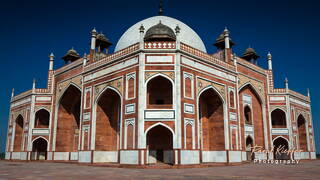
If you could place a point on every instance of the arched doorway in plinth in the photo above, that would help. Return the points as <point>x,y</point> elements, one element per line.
<point>302,133</point>
<point>249,146</point>
<point>39,149</point>
<point>160,145</point>
<point>108,120</point>
<point>211,115</point>
<point>68,120</point>
<point>18,134</point>
<point>280,146</point>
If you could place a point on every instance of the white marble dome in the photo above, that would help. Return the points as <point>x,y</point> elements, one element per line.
<point>187,35</point>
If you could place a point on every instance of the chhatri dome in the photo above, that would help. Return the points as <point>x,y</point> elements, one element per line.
<point>186,35</point>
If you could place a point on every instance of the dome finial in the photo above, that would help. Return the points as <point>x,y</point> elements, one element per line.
<point>160,8</point>
<point>226,30</point>
<point>269,60</point>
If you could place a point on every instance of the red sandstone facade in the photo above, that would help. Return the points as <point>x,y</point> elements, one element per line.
<point>159,99</point>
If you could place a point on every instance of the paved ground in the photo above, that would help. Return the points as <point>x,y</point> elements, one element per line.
<point>42,170</point>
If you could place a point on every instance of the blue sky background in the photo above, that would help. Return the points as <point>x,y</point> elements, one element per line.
<point>31,29</point>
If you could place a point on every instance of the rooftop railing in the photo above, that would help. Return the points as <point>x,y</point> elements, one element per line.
<point>160,45</point>
<point>113,56</point>
<point>205,56</point>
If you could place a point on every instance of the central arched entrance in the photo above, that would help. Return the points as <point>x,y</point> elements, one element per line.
<point>160,145</point>
<point>212,120</point>
<point>280,145</point>
<point>39,149</point>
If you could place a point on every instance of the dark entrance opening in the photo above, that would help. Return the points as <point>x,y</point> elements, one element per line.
<point>160,155</point>
<point>212,119</point>
<point>39,149</point>
<point>159,93</point>
<point>69,120</point>
<point>280,145</point>
<point>107,123</point>
<point>249,145</point>
<point>302,133</point>
<point>42,119</point>
<point>278,119</point>
<point>160,145</point>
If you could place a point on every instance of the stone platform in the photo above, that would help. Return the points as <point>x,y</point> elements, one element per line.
<point>44,170</point>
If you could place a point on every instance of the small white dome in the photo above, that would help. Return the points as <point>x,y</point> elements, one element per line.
<point>187,35</point>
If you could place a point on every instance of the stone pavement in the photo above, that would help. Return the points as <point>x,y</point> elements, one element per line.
<point>44,170</point>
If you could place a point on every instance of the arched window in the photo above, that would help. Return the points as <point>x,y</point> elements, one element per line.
<point>42,119</point>
<point>278,118</point>
<point>247,115</point>
<point>159,93</point>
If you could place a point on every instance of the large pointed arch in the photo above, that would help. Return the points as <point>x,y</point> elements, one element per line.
<point>249,96</point>
<point>68,119</point>
<point>71,84</point>
<point>18,133</point>
<point>254,89</point>
<point>215,90</point>
<point>211,116</point>
<point>105,89</point>
<point>302,132</point>
<point>108,110</point>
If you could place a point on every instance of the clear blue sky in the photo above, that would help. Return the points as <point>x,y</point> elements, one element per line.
<point>30,30</point>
